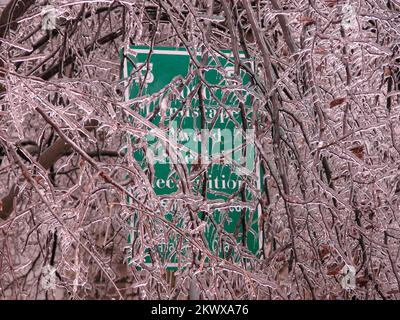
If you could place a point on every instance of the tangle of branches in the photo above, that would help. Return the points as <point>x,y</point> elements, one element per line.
<point>324,92</point>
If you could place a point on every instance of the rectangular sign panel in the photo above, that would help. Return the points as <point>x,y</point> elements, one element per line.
<point>200,111</point>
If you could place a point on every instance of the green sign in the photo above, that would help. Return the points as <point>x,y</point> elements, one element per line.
<point>199,110</point>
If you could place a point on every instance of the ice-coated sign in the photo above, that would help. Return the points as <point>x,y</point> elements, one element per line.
<point>213,145</point>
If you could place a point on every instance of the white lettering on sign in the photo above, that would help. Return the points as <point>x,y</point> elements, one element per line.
<point>139,77</point>
<point>214,183</point>
<point>162,183</point>
<point>226,146</point>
